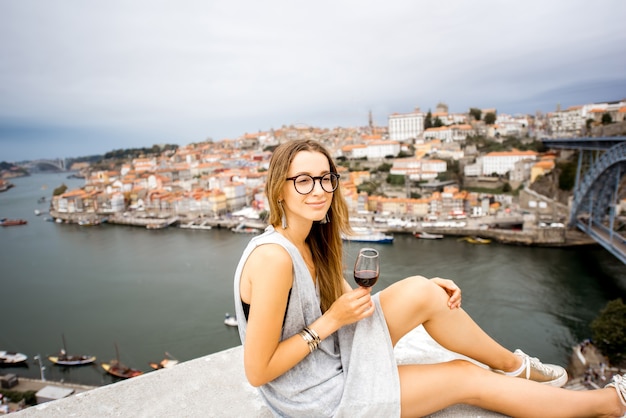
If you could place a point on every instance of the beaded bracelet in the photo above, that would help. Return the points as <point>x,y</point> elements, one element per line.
<point>311,337</point>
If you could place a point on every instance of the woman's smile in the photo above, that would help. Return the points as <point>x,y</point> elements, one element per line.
<point>317,205</point>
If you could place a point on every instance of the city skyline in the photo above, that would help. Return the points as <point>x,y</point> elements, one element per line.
<point>86,78</point>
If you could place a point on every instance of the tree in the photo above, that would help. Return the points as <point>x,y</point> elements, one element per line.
<point>437,123</point>
<point>369,188</point>
<point>606,119</point>
<point>609,331</point>
<point>59,190</point>
<point>428,122</point>
<point>475,113</point>
<point>567,175</point>
<point>395,179</point>
<point>490,118</point>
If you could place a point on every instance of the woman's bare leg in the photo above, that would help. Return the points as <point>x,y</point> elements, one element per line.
<point>415,301</point>
<point>426,388</point>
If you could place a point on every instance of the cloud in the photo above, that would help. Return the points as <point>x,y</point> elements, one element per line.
<point>157,71</point>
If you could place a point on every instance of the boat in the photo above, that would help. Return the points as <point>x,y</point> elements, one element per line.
<point>5,185</point>
<point>120,370</point>
<point>243,229</point>
<point>167,362</point>
<point>64,359</point>
<point>161,223</point>
<point>427,235</point>
<point>116,368</point>
<point>476,240</point>
<point>194,225</point>
<point>157,225</point>
<point>368,235</point>
<point>231,321</point>
<point>12,358</point>
<point>88,222</point>
<point>12,222</point>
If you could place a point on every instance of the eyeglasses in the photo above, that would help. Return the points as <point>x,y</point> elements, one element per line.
<point>304,184</point>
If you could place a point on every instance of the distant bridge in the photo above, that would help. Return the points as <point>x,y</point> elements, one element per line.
<point>598,190</point>
<point>58,163</point>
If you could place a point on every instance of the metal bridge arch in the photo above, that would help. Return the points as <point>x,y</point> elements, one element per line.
<point>58,163</point>
<point>597,192</point>
<point>594,204</point>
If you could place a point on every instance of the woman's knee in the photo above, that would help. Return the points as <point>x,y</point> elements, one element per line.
<point>466,367</point>
<point>421,286</point>
<point>414,292</point>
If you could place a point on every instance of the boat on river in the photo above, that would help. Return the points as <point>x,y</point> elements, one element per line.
<point>116,368</point>
<point>427,235</point>
<point>12,358</point>
<point>161,223</point>
<point>243,229</point>
<point>368,235</point>
<point>476,240</point>
<point>88,222</point>
<point>12,222</point>
<point>194,225</point>
<point>64,359</point>
<point>229,320</point>
<point>167,362</point>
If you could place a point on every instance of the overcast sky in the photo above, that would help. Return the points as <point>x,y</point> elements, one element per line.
<point>83,77</point>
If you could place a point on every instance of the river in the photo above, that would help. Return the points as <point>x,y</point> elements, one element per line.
<point>157,291</point>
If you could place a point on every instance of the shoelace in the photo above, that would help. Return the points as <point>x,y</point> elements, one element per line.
<point>538,365</point>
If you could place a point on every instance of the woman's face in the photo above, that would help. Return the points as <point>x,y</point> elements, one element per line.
<point>314,205</point>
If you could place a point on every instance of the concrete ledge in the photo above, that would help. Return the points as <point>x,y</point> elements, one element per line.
<point>212,386</point>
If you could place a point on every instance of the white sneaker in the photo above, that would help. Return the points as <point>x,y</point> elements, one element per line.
<point>533,369</point>
<point>619,383</point>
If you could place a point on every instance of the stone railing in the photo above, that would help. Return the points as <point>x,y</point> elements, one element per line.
<point>212,386</point>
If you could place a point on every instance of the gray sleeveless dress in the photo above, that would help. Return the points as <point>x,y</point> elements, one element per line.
<point>352,374</point>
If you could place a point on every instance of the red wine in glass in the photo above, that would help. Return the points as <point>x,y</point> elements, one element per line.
<point>366,267</point>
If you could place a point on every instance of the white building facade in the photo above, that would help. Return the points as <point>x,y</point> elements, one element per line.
<point>503,162</point>
<point>418,169</point>
<point>382,149</point>
<point>404,126</point>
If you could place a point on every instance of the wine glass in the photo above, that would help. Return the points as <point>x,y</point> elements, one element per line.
<point>366,267</point>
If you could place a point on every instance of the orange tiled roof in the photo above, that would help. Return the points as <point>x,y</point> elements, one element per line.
<point>74,193</point>
<point>545,164</point>
<point>509,153</point>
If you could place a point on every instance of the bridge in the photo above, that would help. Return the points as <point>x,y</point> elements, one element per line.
<point>598,189</point>
<point>58,164</point>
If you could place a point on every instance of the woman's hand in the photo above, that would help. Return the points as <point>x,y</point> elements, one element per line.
<point>451,289</point>
<point>352,306</point>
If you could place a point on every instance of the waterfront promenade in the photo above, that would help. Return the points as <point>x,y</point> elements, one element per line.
<point>485,227</point>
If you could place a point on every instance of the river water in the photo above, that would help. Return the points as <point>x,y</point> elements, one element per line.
<point>157,291</point>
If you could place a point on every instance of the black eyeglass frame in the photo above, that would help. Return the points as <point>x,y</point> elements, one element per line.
<point>319,178</point>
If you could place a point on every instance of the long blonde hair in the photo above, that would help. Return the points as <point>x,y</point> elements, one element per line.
<point>324,239</point>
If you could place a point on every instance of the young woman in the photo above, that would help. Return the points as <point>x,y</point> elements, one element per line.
<point>316,347</point>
